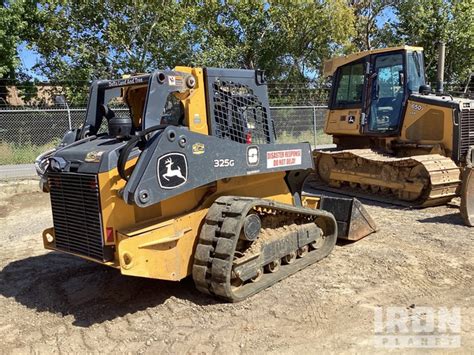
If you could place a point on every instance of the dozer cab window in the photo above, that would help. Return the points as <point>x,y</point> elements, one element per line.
<point>416,72</point>
<point>350,86</point>
<point>387,93</point>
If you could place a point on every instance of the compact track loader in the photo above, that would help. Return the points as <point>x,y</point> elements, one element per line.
<point>190,181</point>
<point>396,141</point>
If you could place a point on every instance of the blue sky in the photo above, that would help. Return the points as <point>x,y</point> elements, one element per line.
<point>28,59</point>
<point>386,15</point>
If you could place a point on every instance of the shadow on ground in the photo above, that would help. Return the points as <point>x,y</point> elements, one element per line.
<point>387,203</point>
<point>90,292</point>
<point>452,218</point>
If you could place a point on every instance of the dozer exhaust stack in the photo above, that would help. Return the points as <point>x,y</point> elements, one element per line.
<point>467,192</point>
<point>353,220</point>
<point>440,70</point>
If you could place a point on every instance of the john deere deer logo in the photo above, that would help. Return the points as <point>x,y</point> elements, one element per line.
<point>172,170</point>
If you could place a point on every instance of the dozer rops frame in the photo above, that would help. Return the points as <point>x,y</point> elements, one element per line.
<point>191,182</point>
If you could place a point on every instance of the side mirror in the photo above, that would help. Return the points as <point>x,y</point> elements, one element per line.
<point>425,89</point>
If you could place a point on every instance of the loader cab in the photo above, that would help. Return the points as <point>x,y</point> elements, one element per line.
<point>126,106</point>
<point>226,103</point>
<point>376,86</point>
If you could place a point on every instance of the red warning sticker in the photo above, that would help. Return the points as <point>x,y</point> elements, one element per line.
<point>279,158</point>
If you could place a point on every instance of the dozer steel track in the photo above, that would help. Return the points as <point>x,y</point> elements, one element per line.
<point>289,238</point>
<point>418,181</point>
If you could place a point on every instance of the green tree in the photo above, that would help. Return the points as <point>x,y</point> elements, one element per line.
<point>287,39</point>
<point>368,35</point>
<point>15,16</point>
<point>231,33</point>
<point>79,41</point>
<point>11,27</point>
<point>84,40</point>
<point>426,22</point>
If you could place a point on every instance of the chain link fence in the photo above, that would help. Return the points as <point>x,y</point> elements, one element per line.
<point>295,124</point>
<point>27,132</point>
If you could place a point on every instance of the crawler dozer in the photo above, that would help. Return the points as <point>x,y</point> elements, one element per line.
<point>189,180</point>
<point>396,141</point>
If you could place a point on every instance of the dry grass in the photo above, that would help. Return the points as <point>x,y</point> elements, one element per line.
<point>304,136</point>
<point>22,154</point>
<point>27,153</point>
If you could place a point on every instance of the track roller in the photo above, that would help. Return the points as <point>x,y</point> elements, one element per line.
<point>234,260</point>
<point>421,181</point>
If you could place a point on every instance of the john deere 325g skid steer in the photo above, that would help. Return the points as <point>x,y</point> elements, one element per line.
<point>190,181</point>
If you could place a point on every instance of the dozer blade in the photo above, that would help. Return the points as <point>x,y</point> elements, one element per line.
<point>467,197</point>
<point>353,220</point>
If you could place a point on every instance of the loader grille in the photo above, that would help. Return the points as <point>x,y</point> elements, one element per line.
<point>466,136</point>
<point>76,213</point>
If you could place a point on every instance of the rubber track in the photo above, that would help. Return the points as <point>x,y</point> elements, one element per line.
<point>443,176</point>
<point>213,259</point>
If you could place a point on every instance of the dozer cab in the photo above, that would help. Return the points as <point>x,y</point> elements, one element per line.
<point>190,181</point>
<point>396,141</point>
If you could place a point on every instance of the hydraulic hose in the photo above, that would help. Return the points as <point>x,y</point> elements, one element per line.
<point>132,143</point>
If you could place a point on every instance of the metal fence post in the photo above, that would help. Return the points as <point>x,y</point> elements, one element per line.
<point>314,125</point>
<point>69,115</point>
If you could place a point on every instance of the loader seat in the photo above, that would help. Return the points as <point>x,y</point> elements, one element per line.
<point>173,112</point>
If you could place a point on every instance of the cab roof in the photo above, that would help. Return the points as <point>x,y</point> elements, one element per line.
<point>332,64</point>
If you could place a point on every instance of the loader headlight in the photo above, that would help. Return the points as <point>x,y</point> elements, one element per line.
<point>57,164</point>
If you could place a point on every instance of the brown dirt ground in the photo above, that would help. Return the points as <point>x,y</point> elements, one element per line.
<point>54,303</point>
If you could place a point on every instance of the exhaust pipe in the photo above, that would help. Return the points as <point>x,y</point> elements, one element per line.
<point>440,72</point>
